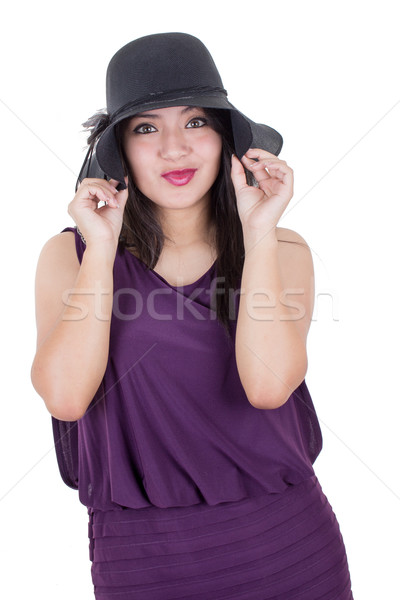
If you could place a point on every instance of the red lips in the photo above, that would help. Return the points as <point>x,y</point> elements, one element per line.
<point>179,177</point>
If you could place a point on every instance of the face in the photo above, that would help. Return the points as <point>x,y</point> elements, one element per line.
<point>174,155</point>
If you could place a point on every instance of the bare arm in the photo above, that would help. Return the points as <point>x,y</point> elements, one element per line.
<point>73,324</point>
<point>270,345</point>
<point>74,304</point>
<point>275,313</point>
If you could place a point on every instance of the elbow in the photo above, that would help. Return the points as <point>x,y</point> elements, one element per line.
<point>62,404</point>
<point>269,400</point>
<point>64,411</point>
<point>61,407</point>
<point>270,395</point>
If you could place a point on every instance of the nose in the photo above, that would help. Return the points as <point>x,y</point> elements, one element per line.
<point>174,144</point>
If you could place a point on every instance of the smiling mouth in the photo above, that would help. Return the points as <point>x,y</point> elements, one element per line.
<point>181,177</point>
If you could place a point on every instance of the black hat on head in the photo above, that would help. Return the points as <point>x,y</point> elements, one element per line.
<point>162,70</point>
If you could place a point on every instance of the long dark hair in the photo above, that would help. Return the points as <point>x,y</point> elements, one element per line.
<point>142,233</point>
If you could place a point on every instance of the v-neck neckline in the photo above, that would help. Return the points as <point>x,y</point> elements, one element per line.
<point>161,278</point>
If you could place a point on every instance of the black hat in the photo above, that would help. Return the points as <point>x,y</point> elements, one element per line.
<point>162,70</point>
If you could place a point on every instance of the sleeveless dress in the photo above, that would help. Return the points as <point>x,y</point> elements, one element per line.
<point>192,493</point>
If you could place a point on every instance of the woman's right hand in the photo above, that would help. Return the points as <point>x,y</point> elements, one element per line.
<point>99,224</point>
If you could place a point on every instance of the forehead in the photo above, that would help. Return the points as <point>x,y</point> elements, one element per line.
<point>160,113</point>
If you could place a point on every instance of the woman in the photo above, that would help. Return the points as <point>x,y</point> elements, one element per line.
<point>179,405</point>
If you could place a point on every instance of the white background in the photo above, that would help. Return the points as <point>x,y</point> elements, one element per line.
<point>326,75</point>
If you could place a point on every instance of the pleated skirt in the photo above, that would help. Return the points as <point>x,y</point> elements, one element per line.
<point>278,546</point>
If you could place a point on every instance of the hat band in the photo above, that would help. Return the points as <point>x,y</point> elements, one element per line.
<point>182,93</point>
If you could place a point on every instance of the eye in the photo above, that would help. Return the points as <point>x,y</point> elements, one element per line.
<point>145,128</point>
<point>196,122</point>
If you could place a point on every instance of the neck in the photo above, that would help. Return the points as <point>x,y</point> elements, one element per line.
<point>184,228</point>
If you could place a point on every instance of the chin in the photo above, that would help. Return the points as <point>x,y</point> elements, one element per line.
<point>180,198</point>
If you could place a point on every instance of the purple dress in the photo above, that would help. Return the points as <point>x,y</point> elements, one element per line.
<point>193,493</point>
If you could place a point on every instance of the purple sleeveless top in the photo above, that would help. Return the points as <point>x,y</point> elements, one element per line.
<point>170,424</point>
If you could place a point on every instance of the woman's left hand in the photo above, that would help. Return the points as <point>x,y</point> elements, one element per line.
<point>261,208</point>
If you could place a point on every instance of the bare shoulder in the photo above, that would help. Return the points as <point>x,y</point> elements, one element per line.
<point>61,244</point>
<point>57,269</point>
<point>297,271</point>
<point>288,235</point>
<point>58,256</point>
<point>294,252</point>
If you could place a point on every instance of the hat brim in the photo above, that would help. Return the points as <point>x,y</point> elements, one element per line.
<point>246,134</point>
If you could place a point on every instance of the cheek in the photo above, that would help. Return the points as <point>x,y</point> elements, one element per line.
<point>217,153</point>
<point>137,161</point>
<point>213,149</point>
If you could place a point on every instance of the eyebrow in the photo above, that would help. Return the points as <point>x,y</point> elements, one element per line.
<point>155,116</point>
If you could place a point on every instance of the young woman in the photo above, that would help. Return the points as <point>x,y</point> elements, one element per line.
<point>171,354</point>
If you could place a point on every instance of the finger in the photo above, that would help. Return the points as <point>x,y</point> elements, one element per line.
<point>264,160</point>
<point>259,153</point>
<point>274,166</point>
<point>238,175</point>
<point>270,161</point>
<point>248,162</point>
<point>262,177</point>
<point>258,169</point>
<point>114,183</point>
<point>118,197</point>
<point>105,183</point>
<point>98,192</point>
<point>122,197</point>
<point>278,171</point>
